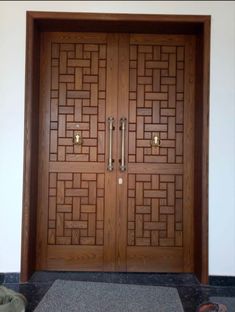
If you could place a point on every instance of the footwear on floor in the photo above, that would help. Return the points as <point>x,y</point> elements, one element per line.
<point>212,307</point>
<point>10,301</point>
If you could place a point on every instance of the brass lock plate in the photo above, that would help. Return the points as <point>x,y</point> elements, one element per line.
<point>77,139</point>
<point>155,142</point>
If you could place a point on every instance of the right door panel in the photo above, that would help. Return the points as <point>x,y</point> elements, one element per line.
<point>159,178</point>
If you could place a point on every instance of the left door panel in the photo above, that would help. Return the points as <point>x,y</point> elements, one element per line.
<point>76,194</point>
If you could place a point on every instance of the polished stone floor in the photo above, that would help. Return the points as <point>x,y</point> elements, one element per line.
<point>191,292</point>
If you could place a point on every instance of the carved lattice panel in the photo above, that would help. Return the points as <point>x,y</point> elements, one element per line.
<point>78,95</point>
<point>155,210</point>
<point>156,103</point>
<point>76,209</point>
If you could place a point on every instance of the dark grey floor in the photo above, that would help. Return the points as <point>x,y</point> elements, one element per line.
<point>191,292</point>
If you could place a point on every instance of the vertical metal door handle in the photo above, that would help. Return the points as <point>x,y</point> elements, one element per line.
<point>122,128</point>
<point>111,128</point>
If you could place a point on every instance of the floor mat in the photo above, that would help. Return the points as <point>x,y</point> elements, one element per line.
<point>71,296</point>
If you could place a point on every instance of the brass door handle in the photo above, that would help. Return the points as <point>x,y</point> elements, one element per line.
<point>122,128</point>
<point>111,128</point>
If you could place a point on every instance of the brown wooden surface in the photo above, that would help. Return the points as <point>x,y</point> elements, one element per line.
<point>121,216</point>
<point>198,155</point>
<point>151,83</point>
<point>110,181</point>
<point>43,164</point>
<point>189,154</point>
<point>72,257</point>
<point>108,22</point>
<point>30,152</point>
<point>75,190</point>
<point>199,25</point>
<point>150,259</point>
<point>201,153</point>
<point>160,179</point>
<point>204,258</point>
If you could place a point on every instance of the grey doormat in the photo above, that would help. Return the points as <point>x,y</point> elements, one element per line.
<point>71,296</point>
<point>228,301</point>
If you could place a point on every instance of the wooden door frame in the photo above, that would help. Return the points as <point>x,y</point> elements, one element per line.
<point>38,22</point>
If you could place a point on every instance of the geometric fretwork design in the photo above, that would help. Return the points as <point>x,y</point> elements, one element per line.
<point>155,210</point>
<point>78,95</point>
<point>76,209</point>
<point>156,101</point>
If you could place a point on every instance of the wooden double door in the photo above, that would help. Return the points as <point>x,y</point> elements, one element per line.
<point>116,152</point>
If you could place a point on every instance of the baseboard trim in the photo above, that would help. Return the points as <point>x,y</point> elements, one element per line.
<point>217,280</point>
<point>9,278</point>
<point>214,280</point>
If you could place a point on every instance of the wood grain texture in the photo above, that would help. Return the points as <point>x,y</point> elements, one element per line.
<point>160,179</point>
<point>74,194</point>
<point>43,161</point>
<point>75,258</point>
<point>44,21</point>
<point>160,217</point>
<point>121,214</point>
<point>80,96</point>
<point>203,273</point>
<point>122,23</point>
<point>201,152</point>
<point>159,259</point>
<point>151,112</point>
<point>30,170</point>
<point>80,197</point>
<point>111,176</point>
<point>189,154</point>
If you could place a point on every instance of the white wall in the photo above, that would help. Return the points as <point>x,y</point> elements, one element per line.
<point>222,117</point>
